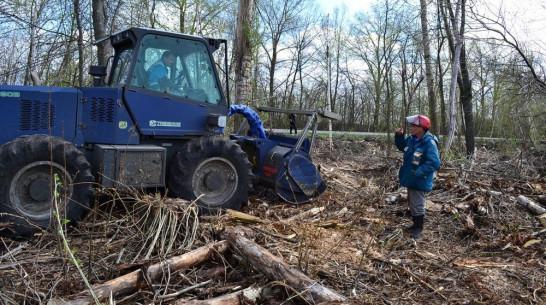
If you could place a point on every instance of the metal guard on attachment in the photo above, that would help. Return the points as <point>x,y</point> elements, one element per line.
<point>298,180</point>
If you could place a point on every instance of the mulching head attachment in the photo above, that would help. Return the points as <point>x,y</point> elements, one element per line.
<point>298,180</point>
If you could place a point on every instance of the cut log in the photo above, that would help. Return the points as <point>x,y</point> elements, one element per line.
<point>307,214</point>
<point>246,296</point>
<point>243,217</point>
<point>277,270</point>
<point>530,205</point>
<point>133,281</point>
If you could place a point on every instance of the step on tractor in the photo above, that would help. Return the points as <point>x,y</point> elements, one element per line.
<point>155,121</point>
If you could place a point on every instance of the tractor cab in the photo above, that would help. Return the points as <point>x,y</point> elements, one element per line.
<point>170,64</point>
<point>170,82</point>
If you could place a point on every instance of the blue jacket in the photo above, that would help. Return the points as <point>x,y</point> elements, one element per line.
<point>155,73</point>
<point>421,160</point>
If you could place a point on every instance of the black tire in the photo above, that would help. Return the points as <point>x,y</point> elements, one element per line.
<point>215,167</point>
<point>27,168</point>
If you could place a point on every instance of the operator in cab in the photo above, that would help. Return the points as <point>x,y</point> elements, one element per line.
<point>158,72</point>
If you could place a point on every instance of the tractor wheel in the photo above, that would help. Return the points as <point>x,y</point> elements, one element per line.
<point>29,166</point>
<point>213,169</point>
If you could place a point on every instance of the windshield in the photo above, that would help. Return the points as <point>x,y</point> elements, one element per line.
<point>177,67</point>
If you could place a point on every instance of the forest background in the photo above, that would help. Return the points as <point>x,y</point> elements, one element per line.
<point>458,61</point>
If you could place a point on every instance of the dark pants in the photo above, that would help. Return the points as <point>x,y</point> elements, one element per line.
<point>292,118</point>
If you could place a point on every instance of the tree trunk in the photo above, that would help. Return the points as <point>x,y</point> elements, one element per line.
<point>243,52</point>
<point>31,59</point>
<point>465,91</point>
<point>441,40</point>
<point>404,79</point>
<point>78,17</point>
<point>272,73</point>
<point>456,51</point>
<point>104,50</point>
<point>428,68</point>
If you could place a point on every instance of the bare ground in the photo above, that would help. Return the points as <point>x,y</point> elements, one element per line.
<point>479,246</point>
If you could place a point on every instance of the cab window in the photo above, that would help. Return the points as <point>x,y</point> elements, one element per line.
<point>121,70</point>
<point>176,67</point>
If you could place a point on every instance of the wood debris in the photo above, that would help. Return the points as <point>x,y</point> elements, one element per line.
<point>531,205</point>
<point>135,280</point>
<point>481,247</point>
<point>277,270</point>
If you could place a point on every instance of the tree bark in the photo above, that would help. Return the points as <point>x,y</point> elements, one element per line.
<point>462,77</point>
<point>440,43</point>
<point>31,59</point>
<point>277,270</point>
<point>465,92</point>
<point>456,51</point>
<point>104,50</point>
<point>131,282</point>
<point>79,28</point>
<point>428,68</point>
<point>243,52</point>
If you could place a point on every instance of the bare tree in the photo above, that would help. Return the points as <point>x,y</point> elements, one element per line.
<point>461,75</point>
<point>456,51</point>
<point>440,71</point>
<point>35,11</point>
<point>302,41</point>
<point>519,82</point>
<point>428,68</point>
<point>504,34</point>
<point>243,51</point>
<point>375,43</point>
<point>278,17</point>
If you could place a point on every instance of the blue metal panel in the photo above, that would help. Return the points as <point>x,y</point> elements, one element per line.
<point>105,118</point>
<point>28,110</point>
<point>167,116</point>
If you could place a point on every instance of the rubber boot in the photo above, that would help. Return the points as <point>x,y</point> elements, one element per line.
<point>413,225</point>
<point>410,228</point>
<point>417,227</point>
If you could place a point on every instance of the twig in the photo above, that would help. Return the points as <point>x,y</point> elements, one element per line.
<point>14,251</point>
<point>23,273</point>
<point>411,273</point>
<point>275,235</point>
<point>173,295</point>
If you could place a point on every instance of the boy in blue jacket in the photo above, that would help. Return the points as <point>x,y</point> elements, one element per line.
<point>421,160</point>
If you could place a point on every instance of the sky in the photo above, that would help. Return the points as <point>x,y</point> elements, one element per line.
<point>353,5</point>
<point>525,18</point>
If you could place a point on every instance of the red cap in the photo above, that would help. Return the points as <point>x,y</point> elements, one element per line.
<point>419,120</point>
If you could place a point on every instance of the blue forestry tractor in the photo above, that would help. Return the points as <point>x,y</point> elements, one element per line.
<point>156,122</point>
